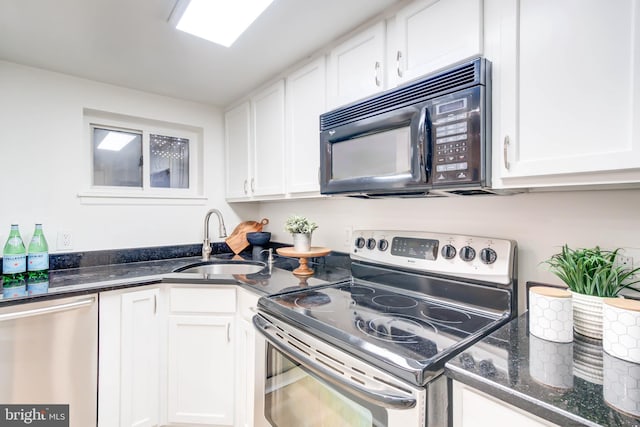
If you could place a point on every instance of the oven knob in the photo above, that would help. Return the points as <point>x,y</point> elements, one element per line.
<point>448,251</point>
<point>467,253</point>
<point>488,256</point>
<point>371,243</point>
<point>360,242</point>
<point>383,244</point>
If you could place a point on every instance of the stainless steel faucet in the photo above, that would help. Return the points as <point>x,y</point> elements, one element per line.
<point>222,231</point>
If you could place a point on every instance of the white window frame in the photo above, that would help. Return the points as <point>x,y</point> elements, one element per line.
<point>100,194</point>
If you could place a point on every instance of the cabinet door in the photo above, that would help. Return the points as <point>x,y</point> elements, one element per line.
<point>472,408</point>
<point>566,91</point>
<point>356,67</point>
<point>237,160</point>
<point>432,34</point>
<point>306,90</point>
<point>201,369</point>
<point>139,394</point>
<point>268,141</point>
<point>128,392</point>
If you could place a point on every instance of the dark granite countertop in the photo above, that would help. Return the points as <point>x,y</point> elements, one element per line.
<point>574,384</point>
<point>99,278</point>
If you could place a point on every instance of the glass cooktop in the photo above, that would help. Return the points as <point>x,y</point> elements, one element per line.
<point>394,329</point>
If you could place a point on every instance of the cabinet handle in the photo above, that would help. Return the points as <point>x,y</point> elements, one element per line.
<point>228,332</point>
<point>398,57</point>
<point>245,186</point>
<point>505,152</point>
<point>155,304</point>
<point>253,187</point>
<point>319,176</point>
<point>376,73</point>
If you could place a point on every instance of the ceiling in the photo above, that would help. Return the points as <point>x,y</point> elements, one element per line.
<point>130,43</point>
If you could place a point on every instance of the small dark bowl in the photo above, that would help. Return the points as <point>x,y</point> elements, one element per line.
<point>259,238</point>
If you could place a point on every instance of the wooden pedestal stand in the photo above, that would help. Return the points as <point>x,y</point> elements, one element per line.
<point>303,270</point>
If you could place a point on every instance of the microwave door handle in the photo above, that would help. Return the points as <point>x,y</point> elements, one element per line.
<point>424,145</point>
<point>386,397</point>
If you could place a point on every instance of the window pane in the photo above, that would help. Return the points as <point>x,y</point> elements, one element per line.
<point>117,158</point>
<point>169,161</point>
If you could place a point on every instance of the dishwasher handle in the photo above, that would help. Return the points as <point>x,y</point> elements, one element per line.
<point>388,398</point>
<point>48,309</point>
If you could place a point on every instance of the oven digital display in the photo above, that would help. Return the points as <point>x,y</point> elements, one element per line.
<point>415,248</point>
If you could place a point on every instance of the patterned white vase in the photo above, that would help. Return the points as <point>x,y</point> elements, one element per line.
<point>621,329</point>
<point>587,315</point>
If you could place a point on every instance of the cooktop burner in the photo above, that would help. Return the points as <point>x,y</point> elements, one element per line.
<point>394,301</point>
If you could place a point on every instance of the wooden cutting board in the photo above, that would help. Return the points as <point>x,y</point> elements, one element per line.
<point>237,241</point>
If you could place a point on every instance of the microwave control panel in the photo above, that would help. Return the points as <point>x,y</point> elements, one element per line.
<point>457,131</point>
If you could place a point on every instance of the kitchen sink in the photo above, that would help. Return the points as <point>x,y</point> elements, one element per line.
<point>219,267</point>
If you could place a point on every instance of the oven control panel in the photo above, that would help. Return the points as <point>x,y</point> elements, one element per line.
<point>474,257</point>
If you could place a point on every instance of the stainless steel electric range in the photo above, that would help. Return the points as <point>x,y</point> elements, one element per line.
<point>370,350</point>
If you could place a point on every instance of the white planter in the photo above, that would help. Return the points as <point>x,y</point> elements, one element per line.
<point>302,242</point>
<point>587,315</point>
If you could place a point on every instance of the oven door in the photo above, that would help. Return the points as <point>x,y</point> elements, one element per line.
<point>388,152</point>
<point>310,383</point>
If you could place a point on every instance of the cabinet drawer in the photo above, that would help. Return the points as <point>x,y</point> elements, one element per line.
<point>198,300</point>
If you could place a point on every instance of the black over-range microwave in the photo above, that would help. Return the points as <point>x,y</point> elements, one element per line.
<point>428,137</point>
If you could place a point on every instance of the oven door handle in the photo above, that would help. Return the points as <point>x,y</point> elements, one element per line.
<point>387,398</point>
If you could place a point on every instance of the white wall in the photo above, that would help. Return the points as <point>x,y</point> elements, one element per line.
<point>44,157</point>
<point>539,222</point>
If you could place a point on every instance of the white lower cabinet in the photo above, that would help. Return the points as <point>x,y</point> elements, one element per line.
<point>201,356</point>
<point>129,350</point>
<point>179,355</point>
<point>472,408</point>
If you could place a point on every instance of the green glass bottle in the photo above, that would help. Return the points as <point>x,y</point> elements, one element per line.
<point>14,255</point>
<point>38,258</point>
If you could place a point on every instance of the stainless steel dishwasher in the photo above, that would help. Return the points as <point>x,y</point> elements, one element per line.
<point>49,355</point>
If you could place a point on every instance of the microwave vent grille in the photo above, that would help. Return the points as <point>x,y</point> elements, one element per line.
<point>466,75</point>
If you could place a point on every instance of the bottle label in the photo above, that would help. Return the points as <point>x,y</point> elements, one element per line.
<point>38,261</point>
<point>12,264</point>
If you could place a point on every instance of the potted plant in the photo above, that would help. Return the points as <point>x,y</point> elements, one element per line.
<point>301,228</point>
<point>591,274</point>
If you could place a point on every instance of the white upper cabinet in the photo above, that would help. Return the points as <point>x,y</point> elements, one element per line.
<point>254,146</point>
<point>356,67</point>
<point>267,108</point>
<point>305,101</point>
<point>237,123</point>
<point>566,91</point>
<point>432,34</point>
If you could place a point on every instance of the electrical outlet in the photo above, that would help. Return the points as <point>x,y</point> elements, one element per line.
<point>629,258</point>
<point>625,261</point>
<point>347,236</point>
<point>64,241</point>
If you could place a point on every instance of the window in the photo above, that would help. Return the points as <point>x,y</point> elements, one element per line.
<point>117,158</point>
<point>169,161</point>
<point>143,159</point>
